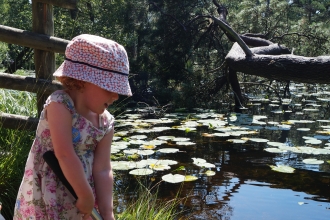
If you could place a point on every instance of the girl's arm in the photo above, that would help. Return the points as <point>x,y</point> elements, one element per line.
<point>103,177</point>
<point>60,125</point>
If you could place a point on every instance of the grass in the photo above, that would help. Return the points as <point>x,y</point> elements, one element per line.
<point>14,147</point>
<point>145,205</point>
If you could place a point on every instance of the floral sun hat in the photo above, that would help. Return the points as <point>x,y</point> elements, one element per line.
<point>97,60</point>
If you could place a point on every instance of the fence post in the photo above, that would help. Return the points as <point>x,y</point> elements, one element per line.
<point>43,23</point>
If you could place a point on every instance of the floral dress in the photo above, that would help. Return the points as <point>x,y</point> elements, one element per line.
<point>41,194</point>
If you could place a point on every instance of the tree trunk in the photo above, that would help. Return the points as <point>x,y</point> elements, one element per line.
<point>281,67</point>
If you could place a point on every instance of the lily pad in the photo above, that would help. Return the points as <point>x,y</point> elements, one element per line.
<point>303,129</point>
<point>259,140</point>
<point>282,168</point>
<point>189,178</point>
<point>275,150</point>
<point>122,165</point>
<point>312,161</point>
<point>176,178</point>
<point>168,150</point>
<point>138,137</point>
<point>313,141</point>
<point>159,167</point>
<point>237,141</point>
<point>139,152</point>
<point>180,139</point>
<point>165,138</point>
<point>185,143</point>
<point>209,173</point>
<point>275,144</point>
<point>141,172</point>
<point>148,147</point>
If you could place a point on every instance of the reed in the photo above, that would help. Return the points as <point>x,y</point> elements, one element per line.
<point>145,204</point>
<point>14,147</point>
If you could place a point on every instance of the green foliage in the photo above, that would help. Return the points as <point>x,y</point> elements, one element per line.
<point>146,205</point>
<point>14,147</point>
<point>175,51</point>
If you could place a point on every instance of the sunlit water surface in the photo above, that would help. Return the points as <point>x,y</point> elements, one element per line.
<point>244,186</point>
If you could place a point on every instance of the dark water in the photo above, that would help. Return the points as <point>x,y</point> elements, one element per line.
<point>244,186</point>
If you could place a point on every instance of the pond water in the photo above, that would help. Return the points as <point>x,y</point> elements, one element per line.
<point>270,162</point>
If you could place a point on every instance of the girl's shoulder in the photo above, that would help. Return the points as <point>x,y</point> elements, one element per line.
<point>60,96</point>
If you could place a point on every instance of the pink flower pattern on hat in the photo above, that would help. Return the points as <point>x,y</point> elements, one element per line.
<point>97,60</point>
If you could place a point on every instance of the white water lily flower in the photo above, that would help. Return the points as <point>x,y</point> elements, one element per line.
<point>177,178</point>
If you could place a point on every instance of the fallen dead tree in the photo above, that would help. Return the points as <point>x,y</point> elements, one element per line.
<point>267,59</point>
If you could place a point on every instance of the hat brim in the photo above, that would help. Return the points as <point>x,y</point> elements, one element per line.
<point>110,81</point>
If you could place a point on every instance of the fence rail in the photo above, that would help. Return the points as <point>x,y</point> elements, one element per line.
<point>45,46</point>
<point>33,40</point>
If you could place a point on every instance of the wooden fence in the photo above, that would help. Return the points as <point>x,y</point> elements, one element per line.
<point>45,46</point>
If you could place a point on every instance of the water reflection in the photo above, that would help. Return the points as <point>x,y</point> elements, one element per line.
<point>244,186</point>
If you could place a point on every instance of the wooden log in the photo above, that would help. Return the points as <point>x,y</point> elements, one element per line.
<point>281,67</point>
<point>18,122</point>
<point>30,84</point>
<point>33,40</point>
<point>69,4</point>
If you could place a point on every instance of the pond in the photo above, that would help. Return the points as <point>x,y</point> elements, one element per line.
<point>270,162</point>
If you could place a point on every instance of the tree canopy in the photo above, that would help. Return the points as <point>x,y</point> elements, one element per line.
<point>177,50</point>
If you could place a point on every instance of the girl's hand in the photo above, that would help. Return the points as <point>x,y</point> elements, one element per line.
<point>85,206</point>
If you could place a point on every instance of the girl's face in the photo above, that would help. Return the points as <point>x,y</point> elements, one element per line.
<point>98,99</point>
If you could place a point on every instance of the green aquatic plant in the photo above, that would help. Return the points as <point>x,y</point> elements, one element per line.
<point>146,205</point>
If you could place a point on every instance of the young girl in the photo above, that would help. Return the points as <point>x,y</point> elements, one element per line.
<point>77,127</point>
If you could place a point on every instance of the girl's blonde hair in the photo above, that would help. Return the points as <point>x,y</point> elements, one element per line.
<point>71,83</point>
